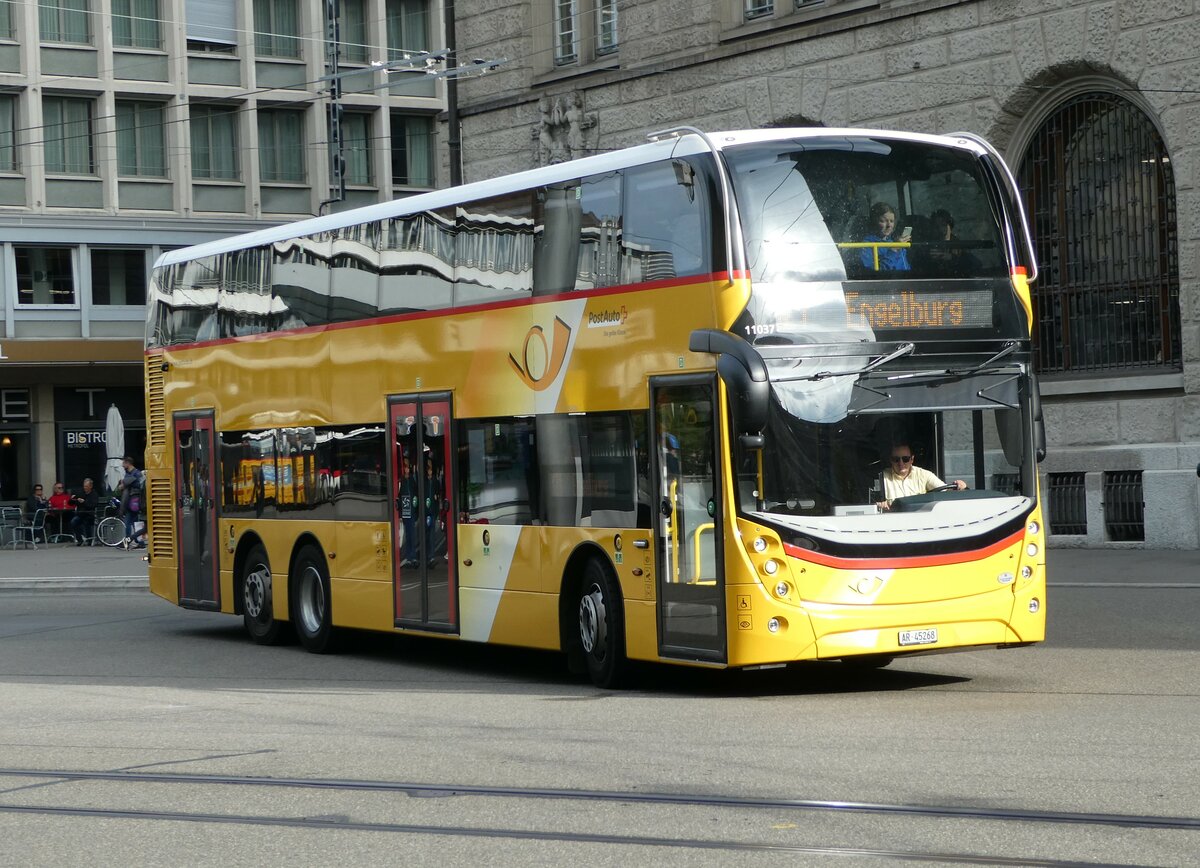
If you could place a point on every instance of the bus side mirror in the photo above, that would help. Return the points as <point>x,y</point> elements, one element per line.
<point>744,374</point>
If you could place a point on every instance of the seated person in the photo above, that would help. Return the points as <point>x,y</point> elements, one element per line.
<point>59,499</point>
<point>883,222</point>
<point>33,503</point>
<point>944,253</point>
<point>83,521</point>
<point>903,478</point>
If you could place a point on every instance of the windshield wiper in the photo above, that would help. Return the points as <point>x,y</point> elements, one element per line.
<point>1009,348</point>
<point>902,350</point>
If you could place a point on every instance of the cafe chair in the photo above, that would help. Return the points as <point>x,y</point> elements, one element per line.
<point>27,534</point>
<point>10,519</point>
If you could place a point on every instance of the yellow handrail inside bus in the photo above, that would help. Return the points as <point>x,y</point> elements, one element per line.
<point>671,527</point>
<point>874,245</point>
<point>696,545</point>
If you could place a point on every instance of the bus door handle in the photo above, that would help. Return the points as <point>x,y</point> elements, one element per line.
<point>641,544</point>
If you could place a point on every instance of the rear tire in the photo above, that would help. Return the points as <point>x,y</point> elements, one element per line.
<point>601,627</point>
<point>258,599</point>
<point>312,614</point>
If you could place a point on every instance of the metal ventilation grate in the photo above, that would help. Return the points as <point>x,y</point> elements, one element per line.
<point>1124,509</point>
<point>1068,503</point>
<point>156,413</point>
<point>1008,483</point>
<point>162,520</point>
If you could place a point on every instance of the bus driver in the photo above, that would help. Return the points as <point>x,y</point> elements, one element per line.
<point>903,478</point>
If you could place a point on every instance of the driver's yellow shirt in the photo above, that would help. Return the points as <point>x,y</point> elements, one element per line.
<point>918,481</point>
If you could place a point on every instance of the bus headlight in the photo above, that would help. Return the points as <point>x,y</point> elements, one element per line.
<point>1031,550</point>
<point>1034,605</point>
<point>770,568</point>
<point>781,590</point>
<point>1026,571</point>
<point>773,625</point>
<point>1033,527</point>
<point>760,545</point>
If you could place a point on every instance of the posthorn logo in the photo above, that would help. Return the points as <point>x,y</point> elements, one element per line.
<point>542,360</point>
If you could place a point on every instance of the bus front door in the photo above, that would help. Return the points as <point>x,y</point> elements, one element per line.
<point>691,582</point>
<point>195,516</point>
<point>423,514</point>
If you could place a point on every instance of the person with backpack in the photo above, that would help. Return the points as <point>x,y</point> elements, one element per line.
<point>131,487</point>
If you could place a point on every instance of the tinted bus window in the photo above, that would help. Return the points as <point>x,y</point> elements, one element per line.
<point>668,225</point>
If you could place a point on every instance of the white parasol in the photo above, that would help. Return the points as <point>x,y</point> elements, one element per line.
<point>114,450</point>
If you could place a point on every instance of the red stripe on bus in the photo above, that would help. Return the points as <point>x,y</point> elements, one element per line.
<point>901,563</point>
<point>714,277</point>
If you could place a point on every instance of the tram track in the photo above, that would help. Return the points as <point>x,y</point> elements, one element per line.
<point>752,837</point>
<point>346,824</point>
<point>1143,821</point>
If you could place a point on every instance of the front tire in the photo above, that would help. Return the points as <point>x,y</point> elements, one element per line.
<point>258,599</point>
<point>601,628</point>
<point>312,614</point>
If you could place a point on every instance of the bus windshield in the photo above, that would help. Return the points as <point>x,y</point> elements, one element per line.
<point>867,237</point>
<point>832,429</point>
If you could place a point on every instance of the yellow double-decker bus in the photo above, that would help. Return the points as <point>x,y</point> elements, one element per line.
<point>656,404</point>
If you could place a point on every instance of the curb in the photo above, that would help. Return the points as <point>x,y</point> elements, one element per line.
<point>110,583</point>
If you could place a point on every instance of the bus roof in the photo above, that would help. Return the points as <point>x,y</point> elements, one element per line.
<point>665,148</point>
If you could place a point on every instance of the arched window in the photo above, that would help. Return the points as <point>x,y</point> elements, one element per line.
<point>1101,196</point>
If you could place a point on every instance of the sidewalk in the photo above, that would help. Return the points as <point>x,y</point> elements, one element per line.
<point>67,567</point>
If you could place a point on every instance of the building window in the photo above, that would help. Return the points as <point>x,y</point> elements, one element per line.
<point>8,133</point>
<point>6,30</point>
<point>141,150</point>
<point>356,148</point>
<point>566,32</point>
<point>583,30</point>
<point>753,10</point>
<point>45,275</point>
<point>210,26</point>
<point>606,26</point>
<point>16,454</point>
<point>1100,190</point>
<point>407,27</point>
<point>277,28</point>
<point>352,28</point>
<point>281,145</point>
<point>412,150</point>
<point>65,21</point>
<point>67,127</point>
<point>214,142</point>
<point>136,23</point>
<point>118,277</point>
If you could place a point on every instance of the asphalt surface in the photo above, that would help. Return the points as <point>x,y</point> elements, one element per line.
<point>65,566</point>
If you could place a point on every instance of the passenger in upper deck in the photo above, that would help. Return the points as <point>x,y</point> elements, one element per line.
<point>904,478</point>
<point>883,224</point>
<point>944,254</point>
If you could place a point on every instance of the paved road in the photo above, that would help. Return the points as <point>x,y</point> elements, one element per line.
<point>470,749</point>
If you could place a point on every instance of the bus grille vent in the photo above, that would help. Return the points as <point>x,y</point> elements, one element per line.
<point>162,520</point>
<point>156,414</point>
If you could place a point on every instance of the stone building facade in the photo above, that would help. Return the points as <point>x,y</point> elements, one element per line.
<point>1094,103</point>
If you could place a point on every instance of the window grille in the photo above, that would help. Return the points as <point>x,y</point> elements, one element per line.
<point>1007,483</point>
<point>1100,190</point>
<point>1068,503</point>
<point>1124,510</point>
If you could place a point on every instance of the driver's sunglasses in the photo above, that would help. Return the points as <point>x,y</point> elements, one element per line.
<point>901,459</point>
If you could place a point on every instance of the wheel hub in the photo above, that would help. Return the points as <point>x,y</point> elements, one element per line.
<point>593,626</point>
<point>257,592</point>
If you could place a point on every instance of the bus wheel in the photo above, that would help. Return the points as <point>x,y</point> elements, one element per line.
<point>601,626</point>
<point>311,611</point>
<point>258,603</point>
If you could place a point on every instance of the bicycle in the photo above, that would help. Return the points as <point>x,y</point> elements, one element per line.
<point>110,530</point>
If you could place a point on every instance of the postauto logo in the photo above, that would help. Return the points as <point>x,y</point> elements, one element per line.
<point>541,359</point>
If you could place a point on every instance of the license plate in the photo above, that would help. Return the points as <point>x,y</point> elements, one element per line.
<point>927,636</point>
